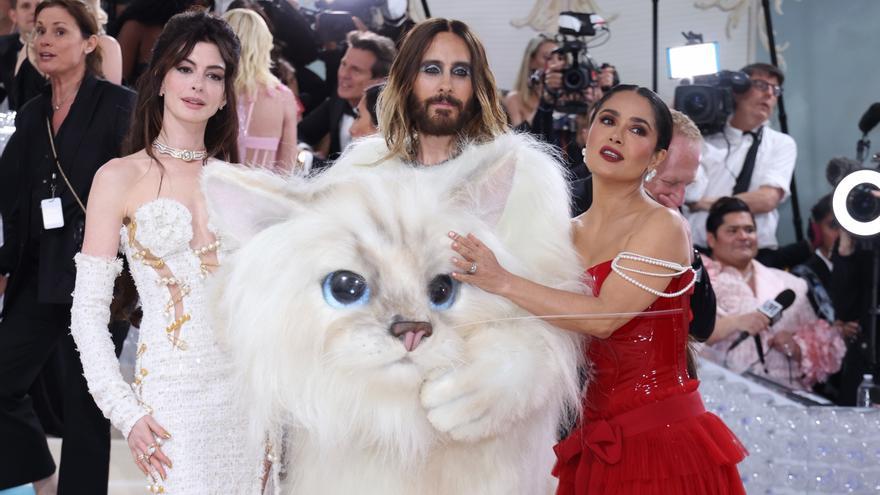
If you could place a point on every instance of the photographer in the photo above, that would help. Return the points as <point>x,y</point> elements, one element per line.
<point>751,161</point>
<point>521,103</point>
<point>566,128</point>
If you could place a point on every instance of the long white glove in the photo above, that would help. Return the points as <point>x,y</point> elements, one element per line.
<point>88,325</point>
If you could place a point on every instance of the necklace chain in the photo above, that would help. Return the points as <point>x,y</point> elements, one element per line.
<point>180,154</point>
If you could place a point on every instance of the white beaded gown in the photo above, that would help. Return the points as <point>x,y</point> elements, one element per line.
<point>183,376</point>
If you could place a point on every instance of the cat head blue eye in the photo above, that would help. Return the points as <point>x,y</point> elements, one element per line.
<point>442,291</point>
<point>345,289</point>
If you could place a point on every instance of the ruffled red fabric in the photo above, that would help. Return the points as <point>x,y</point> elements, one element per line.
<point>645,429</point>
<point>693,456</point>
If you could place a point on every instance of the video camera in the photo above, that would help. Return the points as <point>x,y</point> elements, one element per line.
<point>579,72</point>
<point>332,19</point>
<point>708,100</point>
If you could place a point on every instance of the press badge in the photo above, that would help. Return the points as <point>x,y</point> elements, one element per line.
<point>53,216</point>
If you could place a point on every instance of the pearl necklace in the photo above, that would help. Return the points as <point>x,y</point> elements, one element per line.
<point>677,271</point>
<point>185,155</point>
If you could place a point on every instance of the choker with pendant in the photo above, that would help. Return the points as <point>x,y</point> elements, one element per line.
<point>185,155</point>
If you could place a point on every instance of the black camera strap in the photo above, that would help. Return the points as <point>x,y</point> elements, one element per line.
<point>745,175</point>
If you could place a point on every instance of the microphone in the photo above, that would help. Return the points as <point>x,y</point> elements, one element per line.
<point>773,311</point>
<point>870,118</point>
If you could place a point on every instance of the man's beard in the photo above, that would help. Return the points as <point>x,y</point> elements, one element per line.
<point>442,122</point>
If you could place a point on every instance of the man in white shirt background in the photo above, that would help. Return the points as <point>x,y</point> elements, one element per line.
<point>724,156</point>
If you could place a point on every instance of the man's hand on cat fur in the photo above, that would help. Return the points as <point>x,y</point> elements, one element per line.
<point>479,266</point>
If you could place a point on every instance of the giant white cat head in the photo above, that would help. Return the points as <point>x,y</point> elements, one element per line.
<point>340,290</point>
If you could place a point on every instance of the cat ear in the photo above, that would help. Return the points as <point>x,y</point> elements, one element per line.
<point>244,201</point>
<point>485,190</point>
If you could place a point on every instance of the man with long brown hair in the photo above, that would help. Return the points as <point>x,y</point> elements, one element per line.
<point>440,114</point>
<point>440,94</point>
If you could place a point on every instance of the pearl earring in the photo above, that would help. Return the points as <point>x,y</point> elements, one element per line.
<point>651,175</point>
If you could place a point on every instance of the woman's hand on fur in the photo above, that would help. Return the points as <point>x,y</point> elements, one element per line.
<point>479,266</point>
<point>145,441</point>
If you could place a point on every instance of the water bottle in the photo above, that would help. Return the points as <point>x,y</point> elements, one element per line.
<point>867,391</point>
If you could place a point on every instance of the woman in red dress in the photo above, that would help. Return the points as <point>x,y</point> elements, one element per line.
<point>644,430</point>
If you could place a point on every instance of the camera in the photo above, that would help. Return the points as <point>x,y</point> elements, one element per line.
<point>708,100</point>
<point>332,19</point>
<point>861,202</point>
<point>579,72</point>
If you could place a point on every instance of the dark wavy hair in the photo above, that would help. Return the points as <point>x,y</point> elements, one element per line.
<point>176,42</point>
<point>662,115</point>
<point>88,26</point>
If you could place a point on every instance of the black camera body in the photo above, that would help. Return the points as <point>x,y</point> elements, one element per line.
<point>861,203</point>
<point>332,19</point>
<point>578,76</point>
<point>708,100</point>
<point>580,72</point>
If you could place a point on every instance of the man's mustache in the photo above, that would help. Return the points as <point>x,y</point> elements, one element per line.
<point>444,99</point>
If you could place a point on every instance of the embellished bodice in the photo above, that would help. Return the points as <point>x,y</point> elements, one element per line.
<point>643,361</point>
<point>169,273</point>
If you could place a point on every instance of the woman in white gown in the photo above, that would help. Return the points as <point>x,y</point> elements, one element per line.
<point>183,427</point>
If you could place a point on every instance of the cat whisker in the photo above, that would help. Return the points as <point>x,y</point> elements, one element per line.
<point>580,316</point>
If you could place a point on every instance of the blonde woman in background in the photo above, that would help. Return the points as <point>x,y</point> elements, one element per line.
<point>522,103</point>
<point>267,109</point>
<point>111,53</point>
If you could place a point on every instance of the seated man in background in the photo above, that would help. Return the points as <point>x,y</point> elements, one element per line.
<point>366,62</point>
<point>800,348</point>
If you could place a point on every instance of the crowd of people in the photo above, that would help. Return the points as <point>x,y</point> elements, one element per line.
<point>114,122</point>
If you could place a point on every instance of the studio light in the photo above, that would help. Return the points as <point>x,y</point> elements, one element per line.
<point>692,60</point>
<point>854,195</point>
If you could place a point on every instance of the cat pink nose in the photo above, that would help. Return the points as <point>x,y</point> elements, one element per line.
<point>411,333</point>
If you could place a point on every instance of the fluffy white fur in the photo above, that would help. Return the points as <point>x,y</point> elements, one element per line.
<point>475,407</point>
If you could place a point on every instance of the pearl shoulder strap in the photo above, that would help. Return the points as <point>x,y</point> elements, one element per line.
<point>677,270</point>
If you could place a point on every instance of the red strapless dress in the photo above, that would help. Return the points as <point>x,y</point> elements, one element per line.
<point>645,430</point>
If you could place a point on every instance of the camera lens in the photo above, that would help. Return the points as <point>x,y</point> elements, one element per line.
<point>862,204</point>
<point>575,79</point>
<point>696,104</point>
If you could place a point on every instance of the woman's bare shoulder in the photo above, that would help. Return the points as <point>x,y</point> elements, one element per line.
<point>107,41</point>
<point>125,171</point>
<point>663,232</point>
<point>512,99</point>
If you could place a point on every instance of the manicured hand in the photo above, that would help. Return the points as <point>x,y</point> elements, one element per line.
<point>145,441</point>
<point>478,265</point>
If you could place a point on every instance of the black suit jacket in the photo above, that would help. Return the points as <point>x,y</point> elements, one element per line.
<point>90,136</point>
<point>324,119</point>
<point>10,44</point>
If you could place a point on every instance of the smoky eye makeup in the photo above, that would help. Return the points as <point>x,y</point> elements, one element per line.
<point>431,68</point>
<point>461,70</point>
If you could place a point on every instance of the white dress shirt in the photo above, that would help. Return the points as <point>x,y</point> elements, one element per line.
<point>723,156</point>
